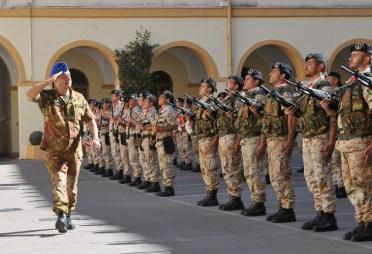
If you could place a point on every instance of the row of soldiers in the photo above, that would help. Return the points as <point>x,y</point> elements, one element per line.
<point>253,124</point>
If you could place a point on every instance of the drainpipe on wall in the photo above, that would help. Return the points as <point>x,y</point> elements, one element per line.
<point>29,5</point>
<point>229,39</point>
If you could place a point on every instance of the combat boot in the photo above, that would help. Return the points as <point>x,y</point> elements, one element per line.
<point>168,191</point>
<point>117,176</point>
<point>196,169</point>
<point>181,166</point>
<point>187,166</point>
<point>340,192</point>
<point>256,209</point>
<point>272,216</point>
<point>327,222</point>
<point>70,225</point>
<point>126,179</point>
<point>209,200</point>
<point>311,224</point>
<point>94,169</point>
<point>357,229</point>
<point>235,203</point>
<point>284,215</point>
<point>175,162</point>
<point>108,173</point>
<point>154,187</point>
<point>137,181</point>
<point>100,171</point>
<point>61,223</point>
<point>89,166</point>
<point>144,185</point>
<point>364,234</point>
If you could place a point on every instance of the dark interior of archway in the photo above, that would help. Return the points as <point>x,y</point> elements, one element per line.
<point>79,82</point>
<point>341,58</point>
<point>5,110</point>
<point>263,58</point>
<point>162,81</point>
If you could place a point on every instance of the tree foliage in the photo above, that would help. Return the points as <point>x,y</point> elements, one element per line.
<point>134,62</point>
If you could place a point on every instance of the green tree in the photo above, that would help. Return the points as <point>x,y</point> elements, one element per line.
<point>134,62</point>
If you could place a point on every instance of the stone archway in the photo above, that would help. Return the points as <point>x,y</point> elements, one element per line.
<point>264,54</point>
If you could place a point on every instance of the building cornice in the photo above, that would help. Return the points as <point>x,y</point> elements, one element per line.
<point>182,12</point>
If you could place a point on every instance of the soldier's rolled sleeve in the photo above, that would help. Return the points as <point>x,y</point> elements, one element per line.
<point>88,114</point>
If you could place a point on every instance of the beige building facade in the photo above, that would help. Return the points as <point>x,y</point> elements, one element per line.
<point>196,39</point>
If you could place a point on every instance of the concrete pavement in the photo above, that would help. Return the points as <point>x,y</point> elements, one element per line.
<point>114,218</point>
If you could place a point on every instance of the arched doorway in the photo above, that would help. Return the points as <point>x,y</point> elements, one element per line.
<point>184,63</point>
<point>264,54</point>
<point>5,110</point>
<point>80,82</point>
<point>162,81</point>
<point>340,57</point>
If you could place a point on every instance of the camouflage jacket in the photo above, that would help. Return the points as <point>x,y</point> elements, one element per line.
<point>225,124</point>
<point>355,111</point>
<point>247,124</point>
<point>275,120</point>
<point>313,120</point>
<point>63,120</point>
<point>167,117</point>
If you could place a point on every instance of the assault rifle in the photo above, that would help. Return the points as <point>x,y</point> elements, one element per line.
<point>244,99</point>
<point>362,78</point>
<point>221,105</point>
<point>181,110</point>
<point>280,99</point>
<point>317,94</point>
<point>200,104</point>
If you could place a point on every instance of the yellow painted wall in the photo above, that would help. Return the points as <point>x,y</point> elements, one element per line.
<point>177,70</point>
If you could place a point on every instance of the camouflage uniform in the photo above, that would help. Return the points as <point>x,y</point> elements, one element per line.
<point>124,154</point>
<point>183,143</point>
<point>98,160</point>
<point>114,137</point>
<point>63,117</point>
<point>133,143</point>
<point>336,170</point>
<point>275,128</point>
<point>355,134</point>
<point>104,120</point>
<point>229,158</point>
<point>206,130</point>
<point>249,129</point>
<point>151,169</point>
<point>167,116</point>
<point>314,126</point>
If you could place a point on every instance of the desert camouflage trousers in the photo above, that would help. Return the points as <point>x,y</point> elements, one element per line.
<point>357,177</point>
<point>134,157</point>
<point>336,168</point>
<point>230,161</point>
<point>106,153</point>
<point>208,168</point>
<point>115,152</point>
<point>317,173</point>
<point>254,171</point>
<point>124,155</point>
<point>165,164</point>
<point>280,171</point>
<point>184,147</point>
<point>151,170</point>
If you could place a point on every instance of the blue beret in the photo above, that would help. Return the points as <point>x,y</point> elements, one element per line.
<point>59,67</point>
